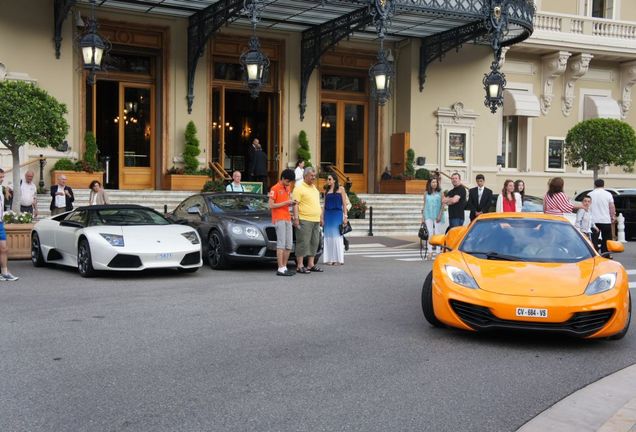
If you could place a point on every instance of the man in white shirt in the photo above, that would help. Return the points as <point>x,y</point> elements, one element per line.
<point>236,185</point>
<point>603,213</point>
<point>28,195</point>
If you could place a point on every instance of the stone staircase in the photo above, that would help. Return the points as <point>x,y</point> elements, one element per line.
<point>393,215</point>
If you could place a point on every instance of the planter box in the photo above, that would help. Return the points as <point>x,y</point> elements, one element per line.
<point>179,182</point>
<point>78,179</point>
<point>394,186</point>
<point>19,240</point>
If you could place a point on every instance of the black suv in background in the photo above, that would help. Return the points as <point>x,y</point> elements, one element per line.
<point>625,203</point>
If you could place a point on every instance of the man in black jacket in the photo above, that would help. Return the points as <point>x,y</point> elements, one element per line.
<point>479,198</point>
<point>258,165</point>
<point>62,197</point>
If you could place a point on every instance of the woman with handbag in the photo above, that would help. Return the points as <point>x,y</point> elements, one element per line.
<point>335,222</point>
<point>433,213</point>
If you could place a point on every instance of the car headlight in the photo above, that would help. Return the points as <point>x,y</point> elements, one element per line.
<point>191,236</point>
<point>460,277</point>
<point>601,284</point>
<point>114,239</point>
<point>248,231</point>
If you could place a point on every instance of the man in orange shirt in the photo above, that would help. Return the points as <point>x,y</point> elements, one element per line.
<point>279,202</point>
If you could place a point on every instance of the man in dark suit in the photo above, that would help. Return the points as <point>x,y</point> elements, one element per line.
<point>62,197</point>
<point>479,198</point>
<point>258,165</point>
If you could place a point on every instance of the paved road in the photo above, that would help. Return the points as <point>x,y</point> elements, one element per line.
<point>243,350</point>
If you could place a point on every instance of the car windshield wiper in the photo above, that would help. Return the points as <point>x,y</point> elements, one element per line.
<point>495,256</point>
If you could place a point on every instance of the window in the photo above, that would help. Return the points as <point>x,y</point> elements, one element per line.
<point>508,151</point>
<point>598,8</point>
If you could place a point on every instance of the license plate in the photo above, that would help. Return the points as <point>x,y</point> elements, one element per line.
<point>532,312</point>
<point>164,256</point>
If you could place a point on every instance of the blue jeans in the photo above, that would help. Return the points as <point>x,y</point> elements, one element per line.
<point>455,222</point>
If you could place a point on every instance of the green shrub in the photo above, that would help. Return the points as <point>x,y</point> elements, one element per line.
<point>422,174</point>
<point>409,170</point>
<point>89,164</point>
<point>214,186</point>
<point>303,151</point>
<point>64,164</point>
<point>358,206</point>
<point>191,150</point>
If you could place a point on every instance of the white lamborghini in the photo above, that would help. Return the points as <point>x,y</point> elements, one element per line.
<point>115,237</point>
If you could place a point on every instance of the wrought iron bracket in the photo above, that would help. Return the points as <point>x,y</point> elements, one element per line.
<point>202,25</point>
<point>317,40</point>
<point>435,46</point>
<point>61,9</point>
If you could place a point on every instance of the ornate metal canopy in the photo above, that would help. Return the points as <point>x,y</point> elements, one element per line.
<point>441,25</point>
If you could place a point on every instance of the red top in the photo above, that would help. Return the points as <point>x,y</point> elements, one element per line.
<point>509,205</point>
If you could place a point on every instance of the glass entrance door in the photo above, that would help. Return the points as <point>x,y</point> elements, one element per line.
<point>343,140</point>
<point>136,136</point>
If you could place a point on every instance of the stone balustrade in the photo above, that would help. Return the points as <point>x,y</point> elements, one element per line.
<point>584,26</point>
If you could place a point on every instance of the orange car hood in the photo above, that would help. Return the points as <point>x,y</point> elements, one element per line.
<point>531,278</point>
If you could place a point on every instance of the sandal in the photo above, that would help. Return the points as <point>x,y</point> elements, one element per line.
<point>316,269</point>
<point>303,270</point>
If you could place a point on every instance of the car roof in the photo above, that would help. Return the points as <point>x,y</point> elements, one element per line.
<point>250,194</point>
<point>515,215</point>
<point>113,207</point>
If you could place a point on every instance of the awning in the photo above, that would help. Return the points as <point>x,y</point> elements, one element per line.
<point>601,107</point>
<point>520,103</point>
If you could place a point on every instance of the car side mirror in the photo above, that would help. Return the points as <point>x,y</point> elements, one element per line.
<point>437,240</point>
<point>194,210</point>
<point>71,224</point>
<point>615,247</point>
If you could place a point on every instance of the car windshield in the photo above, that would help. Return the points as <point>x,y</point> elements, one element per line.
<point>127,216</point>
<point>537,240</point>
<point>238,203</point>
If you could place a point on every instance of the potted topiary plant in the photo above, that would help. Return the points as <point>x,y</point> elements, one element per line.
<point>190,177</point>
<point>410,182</point>
<point>18,227</point>
<point>80,173</point>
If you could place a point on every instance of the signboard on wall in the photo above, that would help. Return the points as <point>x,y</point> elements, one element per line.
<point>554,154</point>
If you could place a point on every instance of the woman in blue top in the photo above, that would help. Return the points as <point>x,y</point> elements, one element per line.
<point>433,212</point>
<point>334,215</point>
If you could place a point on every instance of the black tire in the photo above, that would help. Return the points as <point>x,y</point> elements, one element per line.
<point>84,259</point>
<point>427,302</point>
<point>188,270</point>
<point>217,259</point>
<point>36,251</point>
<point>622,333</point>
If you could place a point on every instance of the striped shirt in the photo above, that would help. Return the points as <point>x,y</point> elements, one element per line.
<point>556,204</point>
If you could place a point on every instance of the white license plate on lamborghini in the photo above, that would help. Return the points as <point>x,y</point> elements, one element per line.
<point>164,256</point>
<point>532,312</point>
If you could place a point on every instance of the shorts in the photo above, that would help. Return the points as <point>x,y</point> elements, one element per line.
<point>284,236</point>
<point>307,238</point>
<point>3,233</point>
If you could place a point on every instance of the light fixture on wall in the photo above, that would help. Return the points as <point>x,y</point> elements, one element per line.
<point>93,47</point>
<point>495,81</point>
<point>382,73</point>
<point>254,62</point>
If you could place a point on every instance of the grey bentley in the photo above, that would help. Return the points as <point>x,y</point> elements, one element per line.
<point>233,226</point>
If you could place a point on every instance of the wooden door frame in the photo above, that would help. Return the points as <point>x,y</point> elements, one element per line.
<point>137,173</point>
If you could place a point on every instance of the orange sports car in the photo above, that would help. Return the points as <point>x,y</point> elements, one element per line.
<point>528,272</point>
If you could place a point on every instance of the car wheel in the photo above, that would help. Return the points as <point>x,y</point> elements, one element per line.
<point>216,251</point>
<point>36,251</point>
<point>84,259</point>
<point>622,333</point>
<point>427,302</point>
<point>187,270</point>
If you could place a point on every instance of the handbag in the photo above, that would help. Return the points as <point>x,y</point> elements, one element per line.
<point>423,232</point>
<point>345,228</point>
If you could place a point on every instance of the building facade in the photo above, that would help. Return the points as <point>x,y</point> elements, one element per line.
<point>579,63</point>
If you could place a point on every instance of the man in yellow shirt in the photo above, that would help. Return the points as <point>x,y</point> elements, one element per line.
<point>307,222</point>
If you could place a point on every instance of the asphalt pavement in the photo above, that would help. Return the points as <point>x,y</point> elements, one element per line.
<point>243,350</point>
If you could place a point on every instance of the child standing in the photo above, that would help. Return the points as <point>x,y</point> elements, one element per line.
<point>584,218</point>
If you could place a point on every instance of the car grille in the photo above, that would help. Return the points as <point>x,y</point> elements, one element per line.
<point>581,324</point>
<point>271,233</point>
<point>248,250</point>
<point>125,261</point>
<point>191,259</point>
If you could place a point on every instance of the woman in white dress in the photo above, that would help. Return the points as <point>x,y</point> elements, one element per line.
<point>300,170</point>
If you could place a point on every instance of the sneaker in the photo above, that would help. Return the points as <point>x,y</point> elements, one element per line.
<point>9,277</point>
<point>285,273</point>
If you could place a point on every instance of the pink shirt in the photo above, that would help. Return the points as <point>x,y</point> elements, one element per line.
<point>556,204</point>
